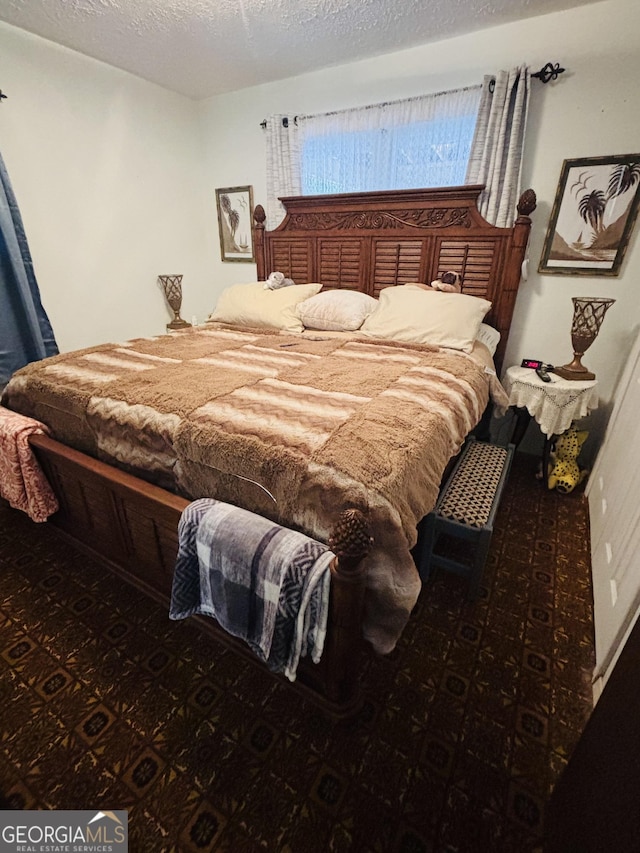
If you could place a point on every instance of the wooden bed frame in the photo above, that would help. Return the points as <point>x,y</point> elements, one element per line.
<point>358,241</point>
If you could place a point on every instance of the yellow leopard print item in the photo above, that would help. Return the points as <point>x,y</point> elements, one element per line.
<point>565,473</point>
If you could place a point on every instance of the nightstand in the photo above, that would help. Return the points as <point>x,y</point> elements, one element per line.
<point>554,405</point>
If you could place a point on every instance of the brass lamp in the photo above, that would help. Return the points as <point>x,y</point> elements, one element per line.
<point>172,286</point>
<point>588,314</point>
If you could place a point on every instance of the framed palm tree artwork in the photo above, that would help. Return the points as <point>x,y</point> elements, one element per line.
<point>235,217</point>
<point>592,217</point>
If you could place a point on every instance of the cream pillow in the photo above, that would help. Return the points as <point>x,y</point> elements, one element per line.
<point>252,305</point>
<point>412,314</point>
<point>336,310</point>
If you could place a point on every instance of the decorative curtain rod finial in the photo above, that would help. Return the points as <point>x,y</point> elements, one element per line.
<point>549,72</point>
<point>2,96</point>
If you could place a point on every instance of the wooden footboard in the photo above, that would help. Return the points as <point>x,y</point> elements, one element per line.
<point>131,527</point>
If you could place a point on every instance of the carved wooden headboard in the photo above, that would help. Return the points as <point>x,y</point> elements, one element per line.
<point>368,241</point>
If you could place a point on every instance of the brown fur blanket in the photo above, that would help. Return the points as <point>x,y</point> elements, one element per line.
<point>295,429</point>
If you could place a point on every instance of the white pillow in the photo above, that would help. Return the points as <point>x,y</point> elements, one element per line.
<point>336,310</point>
<point>412,314</point>
<point>252,305</point>
<point>488,336</point>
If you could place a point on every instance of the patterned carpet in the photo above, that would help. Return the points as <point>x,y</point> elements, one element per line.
<point>105,703</point>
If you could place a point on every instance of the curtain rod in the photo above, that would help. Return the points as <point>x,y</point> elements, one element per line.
<point>285,120</point>
<point>2,95</point>
<point>547,72</point>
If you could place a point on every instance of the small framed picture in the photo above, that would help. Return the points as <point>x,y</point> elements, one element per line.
<point>235,217</point>
<point>592,217</point>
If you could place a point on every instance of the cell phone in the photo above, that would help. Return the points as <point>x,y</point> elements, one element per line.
<point>532,363</point>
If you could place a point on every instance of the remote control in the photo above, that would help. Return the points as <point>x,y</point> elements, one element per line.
<point>543,372</point>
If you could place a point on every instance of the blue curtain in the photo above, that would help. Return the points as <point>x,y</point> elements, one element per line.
<point>25,332</point>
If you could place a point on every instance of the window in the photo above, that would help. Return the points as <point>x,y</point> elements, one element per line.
<point>473,135</point>
<point>422,142</point>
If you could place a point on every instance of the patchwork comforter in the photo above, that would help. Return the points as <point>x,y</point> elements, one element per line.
<point>293,428</point>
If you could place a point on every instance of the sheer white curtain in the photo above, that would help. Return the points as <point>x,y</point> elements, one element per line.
<point>283,164</point>
<point>498,143</point>
<point>416,142</point>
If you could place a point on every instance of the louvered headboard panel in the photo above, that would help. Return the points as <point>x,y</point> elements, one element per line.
<point>294,258</point>
<point>340,263</point>
<point>476,261</point>
<point>369,241</point>
<point>396,262</point>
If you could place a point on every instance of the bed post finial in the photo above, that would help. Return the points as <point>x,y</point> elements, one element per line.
<point>259,216</point>
<point>527,203</point>
<point>351,539</point>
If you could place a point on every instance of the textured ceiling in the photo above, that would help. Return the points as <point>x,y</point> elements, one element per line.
<point>205,47</point>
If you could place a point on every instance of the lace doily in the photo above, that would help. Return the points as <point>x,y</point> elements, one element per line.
<point>553,404</point>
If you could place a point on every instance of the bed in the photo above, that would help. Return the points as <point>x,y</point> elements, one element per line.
<point>295,423</point>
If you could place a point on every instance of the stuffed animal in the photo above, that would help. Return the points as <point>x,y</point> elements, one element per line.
<point>565,473</point>
<point>449,281</point>
<point>276,280</point>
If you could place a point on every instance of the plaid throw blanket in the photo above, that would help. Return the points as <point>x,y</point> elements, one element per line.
<point>262,582</point>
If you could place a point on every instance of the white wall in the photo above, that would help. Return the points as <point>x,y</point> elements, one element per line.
<point>106,170</point>
<point>590,111</point>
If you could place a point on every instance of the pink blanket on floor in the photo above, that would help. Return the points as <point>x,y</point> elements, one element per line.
<point>22,481</point>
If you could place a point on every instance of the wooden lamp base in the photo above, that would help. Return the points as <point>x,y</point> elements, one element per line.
<point>567,371</point>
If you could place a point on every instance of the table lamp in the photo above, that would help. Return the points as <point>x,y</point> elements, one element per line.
<point>172,286</point>
<point>588,314</point>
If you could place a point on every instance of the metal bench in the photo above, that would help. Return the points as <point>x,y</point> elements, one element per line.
<point>465,510</point>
